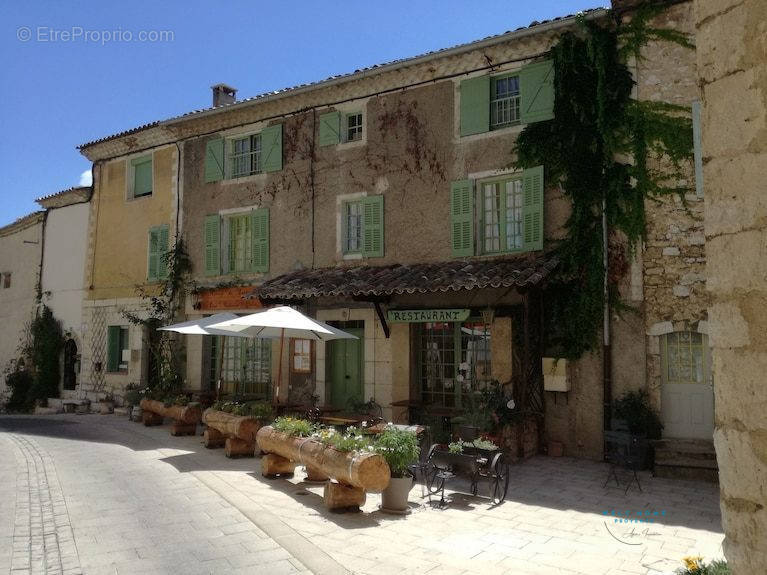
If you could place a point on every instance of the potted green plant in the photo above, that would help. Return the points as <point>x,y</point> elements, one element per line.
<point>633,410</point>
<point>400,449</point>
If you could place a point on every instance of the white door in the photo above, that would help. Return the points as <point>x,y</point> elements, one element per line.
<point>687,395</point>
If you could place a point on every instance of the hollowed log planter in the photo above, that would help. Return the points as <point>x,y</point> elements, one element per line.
<point>185,417</point>
<point>236,432</point>
<point>354,473</point>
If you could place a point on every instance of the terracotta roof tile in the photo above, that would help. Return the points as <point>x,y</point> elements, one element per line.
<point>520,272</point>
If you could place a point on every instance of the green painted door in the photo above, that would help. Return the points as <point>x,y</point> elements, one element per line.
<point>346,370</point>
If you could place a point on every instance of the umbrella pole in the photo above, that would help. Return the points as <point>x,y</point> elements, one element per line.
<point>279,369</point>
<point>220,366</point>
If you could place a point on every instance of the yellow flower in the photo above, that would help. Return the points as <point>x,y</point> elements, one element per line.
<point>692,563</point>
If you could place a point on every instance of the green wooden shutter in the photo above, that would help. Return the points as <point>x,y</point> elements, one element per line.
<point>212,240</point>
<point>330,128</point>
<point>475,105</point>
<point>373,227</point>
<point>113,348</point>
<point>532,188</point>
<point>536,92</point>
<point>271,148</point>
<point>259,235</point>
<point>462,218</point>
<point>142,176</point>
<point>162,252</point>
<point>214,160</point>
<point>153,255</point>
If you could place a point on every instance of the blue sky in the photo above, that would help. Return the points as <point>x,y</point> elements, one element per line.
<point>60,92</point>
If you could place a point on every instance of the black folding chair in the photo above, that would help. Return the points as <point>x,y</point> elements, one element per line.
<point>623,450</point>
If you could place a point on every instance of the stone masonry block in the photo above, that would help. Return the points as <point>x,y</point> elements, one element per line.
<point>737,262</point>
<point>739,390</point>
<point>730,208</point>
<point>729,329</point>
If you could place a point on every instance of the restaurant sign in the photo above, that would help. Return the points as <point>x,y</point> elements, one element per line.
<point>228,298</point>
<point>426,315</point>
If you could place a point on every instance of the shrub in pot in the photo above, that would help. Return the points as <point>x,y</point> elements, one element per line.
<point>633,410</point>
<point>400,449</point>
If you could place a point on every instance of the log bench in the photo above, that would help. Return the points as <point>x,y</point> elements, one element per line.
<point>185,417</point>
<point>237,433</point>
<point>348,475</point>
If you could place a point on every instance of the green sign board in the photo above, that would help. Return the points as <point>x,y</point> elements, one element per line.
<point>426,315</point>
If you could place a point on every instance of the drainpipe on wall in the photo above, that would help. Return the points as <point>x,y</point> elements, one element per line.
<point>42,257</point>
<point>606,349</point>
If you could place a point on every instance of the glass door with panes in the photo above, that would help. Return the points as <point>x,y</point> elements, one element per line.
<point>453,361</point>
<point>246,367</point>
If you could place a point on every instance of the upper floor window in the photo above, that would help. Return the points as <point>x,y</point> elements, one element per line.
<point>362,227</point>
<point>502,221</point>
<point>504,101</point>
<point>353,127</point>
<point>245,156</point>
<point>141,177</point>
<point>243,238</point>
<point>336,128</point>
<point>493,102</point>
<point>240,156</point>
<point>6,280</point>
<point>508,214</point>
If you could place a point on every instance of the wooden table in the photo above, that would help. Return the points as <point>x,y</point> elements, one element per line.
<point>342,420</point>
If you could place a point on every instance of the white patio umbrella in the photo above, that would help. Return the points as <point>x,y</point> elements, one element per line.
<point>201,326</point>
<point>282,322</point>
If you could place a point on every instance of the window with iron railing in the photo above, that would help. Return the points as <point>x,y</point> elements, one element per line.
<point>504,101</point>
<point>245,156</point>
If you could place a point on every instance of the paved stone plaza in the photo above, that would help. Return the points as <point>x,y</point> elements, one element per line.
<point>99,494</point>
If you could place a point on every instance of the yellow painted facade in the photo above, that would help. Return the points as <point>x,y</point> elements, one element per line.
<point>120,225</point>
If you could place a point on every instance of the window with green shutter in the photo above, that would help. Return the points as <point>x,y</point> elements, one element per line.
<point>212,241</point>
<point>117,345</point>
<point>363,227</point>
<point>509,214</point>
<point>494,102</point>
<point>157,259</point>
<point>245,155</point>
<point>141,176</point>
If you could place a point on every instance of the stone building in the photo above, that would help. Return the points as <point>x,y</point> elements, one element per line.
<point>21,247</point>
<point>387,201</point>
<point>132,225</point>
<point>732,73</point>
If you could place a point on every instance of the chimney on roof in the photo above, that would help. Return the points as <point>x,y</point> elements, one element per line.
<point>223,94</point>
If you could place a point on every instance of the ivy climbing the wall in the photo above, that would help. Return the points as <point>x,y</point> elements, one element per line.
<point>597,127</point>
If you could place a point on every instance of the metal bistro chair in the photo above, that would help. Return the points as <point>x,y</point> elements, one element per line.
<point>623,450</point>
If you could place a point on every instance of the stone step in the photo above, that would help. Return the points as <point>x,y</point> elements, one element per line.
<point>686,459</point>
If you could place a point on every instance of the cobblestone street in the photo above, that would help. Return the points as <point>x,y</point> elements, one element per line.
<point>99,494</point>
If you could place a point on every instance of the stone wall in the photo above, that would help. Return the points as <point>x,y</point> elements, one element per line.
<point>732,67</point>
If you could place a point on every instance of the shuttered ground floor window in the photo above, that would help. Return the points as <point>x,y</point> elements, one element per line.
<point>453,359</point>
<point>246,368</point>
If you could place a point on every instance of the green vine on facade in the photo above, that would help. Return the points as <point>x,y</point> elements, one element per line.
<point>164,304</point>
<point>602,147</point>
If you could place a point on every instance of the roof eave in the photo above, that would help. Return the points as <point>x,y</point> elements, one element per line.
<point>374,70</point>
